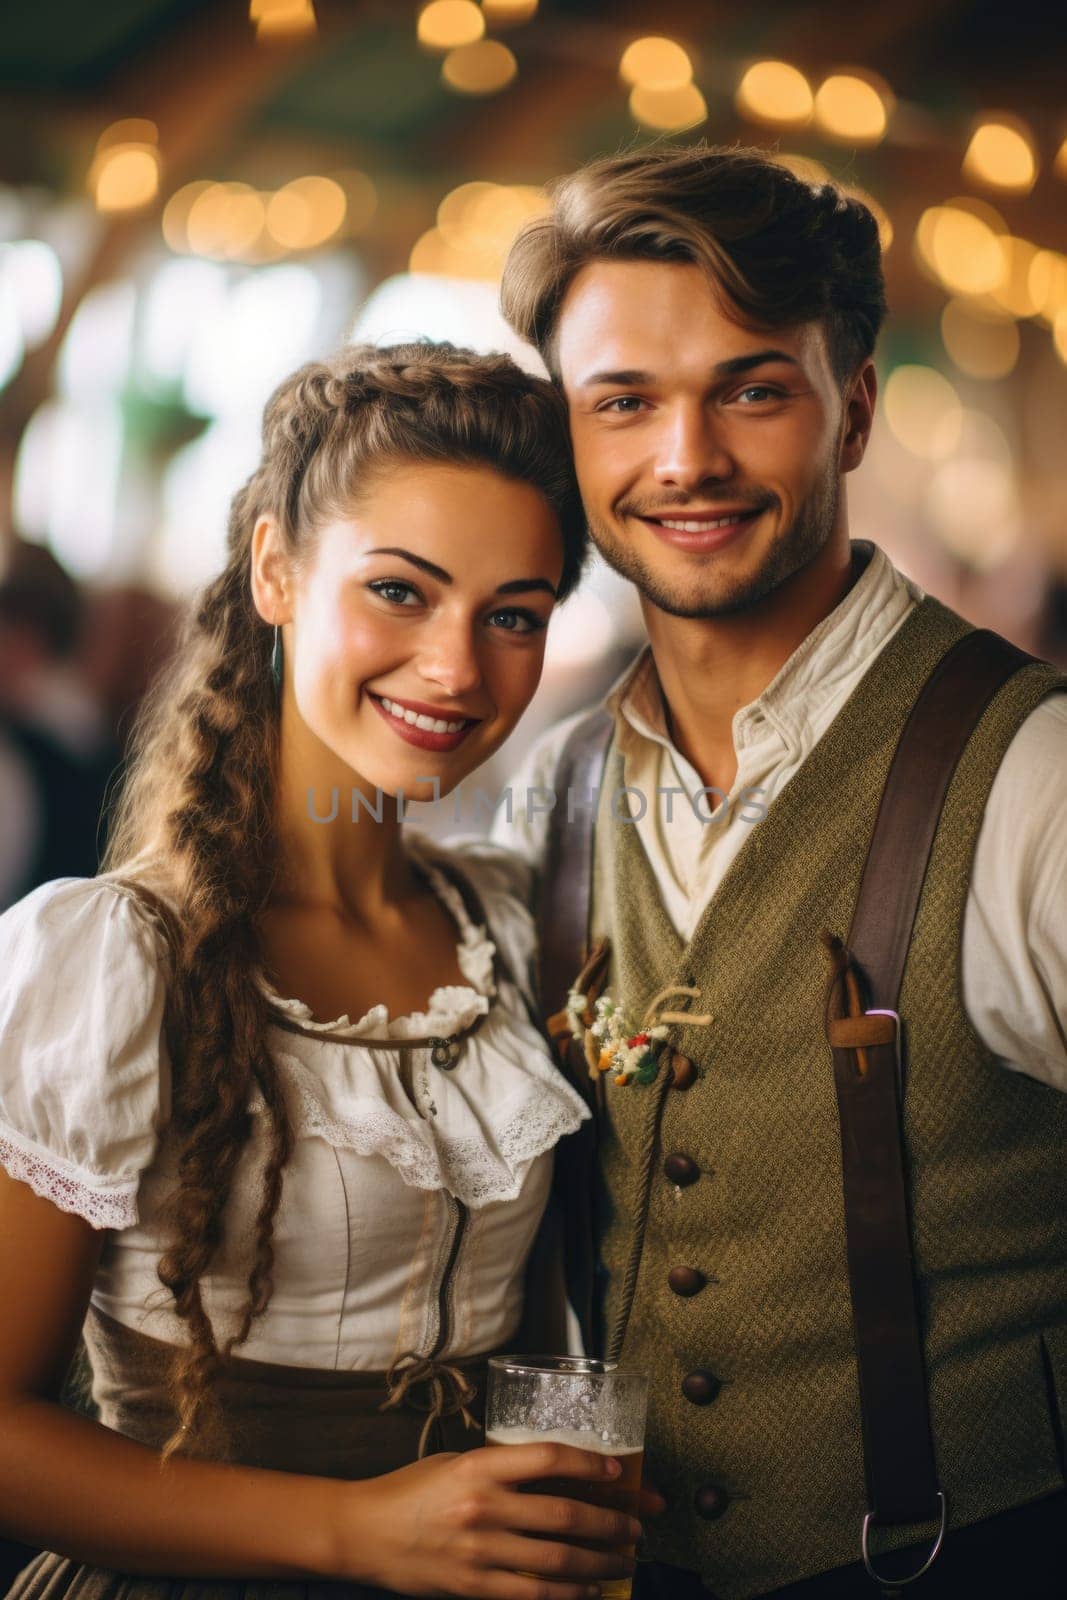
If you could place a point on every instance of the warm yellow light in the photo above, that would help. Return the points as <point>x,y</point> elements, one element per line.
<point>1059,335</point>
<point>980,345</point>
<point>446,24</point>
<point>1059,165</point>
<point>806,168</point>
<point>361,198</point>
<point>434,254</point>
<point>277,18</point>
<point>1001,155</point>
<point>458,208</point>
<point>306,212</point>
<point>1012,294</point>
<point>850,108</point>
<point>973,505</point>
<point>131,130</point>
<point>1047,283</point>
<point>225,221</point>
<point>484,67</point>
<point>961,250</point>
<point>773,91</point>
<point>657,63</point>
<point>923,411</point>
<point>125,177</point>
<point>508,13</point>
<point>476,225</point>
<point>877,210</point>
<point>176,213</point>
<point>668,109</point>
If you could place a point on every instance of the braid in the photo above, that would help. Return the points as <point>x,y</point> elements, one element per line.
<point>195,831</point>
<point>220,740</point>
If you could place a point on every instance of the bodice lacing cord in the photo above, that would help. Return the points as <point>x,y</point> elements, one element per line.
<point>436,1387</point>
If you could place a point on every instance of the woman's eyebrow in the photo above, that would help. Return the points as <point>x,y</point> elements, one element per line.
<point>416,561</point>
<point>514,586</point>
<point>524,585</point>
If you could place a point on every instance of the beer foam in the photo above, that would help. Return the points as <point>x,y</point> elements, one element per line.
<point>572,1436</point>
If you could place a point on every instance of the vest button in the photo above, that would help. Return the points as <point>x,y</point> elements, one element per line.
<point>711,1501</point>
<point>683,1072</point>
<point>681,1170</point>
<point>701,1387</point>
<point>686,1280</point>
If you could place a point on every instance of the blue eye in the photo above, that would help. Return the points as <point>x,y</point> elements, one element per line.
<point>394,590</point>
<point>761,390</point>
<point>519,621</point>
<point>624,405</point>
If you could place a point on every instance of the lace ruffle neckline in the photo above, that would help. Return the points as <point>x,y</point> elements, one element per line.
<point>450,1008</point>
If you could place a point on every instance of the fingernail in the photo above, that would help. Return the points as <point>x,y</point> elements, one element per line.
<point>634,1529</point>
<point>614,1467</point>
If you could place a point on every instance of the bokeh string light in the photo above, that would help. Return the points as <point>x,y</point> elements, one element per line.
<point>125,171</point>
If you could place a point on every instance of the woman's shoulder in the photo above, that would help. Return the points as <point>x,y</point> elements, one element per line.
<point>68,917</point>
<point>84,1089</point>
<point>494,872</point>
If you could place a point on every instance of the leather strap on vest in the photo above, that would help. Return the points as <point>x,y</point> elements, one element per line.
<point>563,906</point>
<point>865,1041</point>
<point>566,887</point>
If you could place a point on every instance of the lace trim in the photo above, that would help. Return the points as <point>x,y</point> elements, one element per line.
<point>449,1009</point>
<point>468,1168</point>
<point>115,1209</point>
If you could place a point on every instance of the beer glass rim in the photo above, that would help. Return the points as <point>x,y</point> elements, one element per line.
<point>563,1366</point>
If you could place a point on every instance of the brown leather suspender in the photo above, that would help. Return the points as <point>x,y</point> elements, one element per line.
<point>566,886</point>
<point>902,1484</point>
<point>865,1041</point>
<point>564,898</point>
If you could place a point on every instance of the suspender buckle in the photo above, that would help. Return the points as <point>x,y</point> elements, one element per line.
<point>891,1584</point>
<point>879,1011</point>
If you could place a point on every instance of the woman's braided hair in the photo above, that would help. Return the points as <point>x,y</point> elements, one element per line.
<point>194,826</point>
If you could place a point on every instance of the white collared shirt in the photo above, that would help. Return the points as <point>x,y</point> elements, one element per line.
<point>1015,922</point>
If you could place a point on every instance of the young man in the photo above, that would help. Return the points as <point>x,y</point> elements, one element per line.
<point>711,320</point>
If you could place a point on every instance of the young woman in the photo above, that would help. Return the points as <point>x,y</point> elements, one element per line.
<point>276,1124</point>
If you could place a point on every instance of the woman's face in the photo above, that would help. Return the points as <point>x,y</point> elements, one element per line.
<point>415,635</point>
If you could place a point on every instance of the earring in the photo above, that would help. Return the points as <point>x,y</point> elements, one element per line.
<point>276,661</point>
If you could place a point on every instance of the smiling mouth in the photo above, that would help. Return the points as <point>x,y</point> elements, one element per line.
<point>703,524</point>
<point>419,719</point>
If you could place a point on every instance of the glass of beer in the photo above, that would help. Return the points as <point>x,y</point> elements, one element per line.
<point>573,1400</point>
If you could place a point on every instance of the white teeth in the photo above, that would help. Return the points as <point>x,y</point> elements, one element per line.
<point>691,526</point>
<point>418,720</point>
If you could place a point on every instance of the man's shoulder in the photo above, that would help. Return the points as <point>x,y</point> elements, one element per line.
<point>544,755</point>
<point>533,785</point>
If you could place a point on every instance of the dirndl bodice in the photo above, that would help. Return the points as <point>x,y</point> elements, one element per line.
<point>287,1419</point>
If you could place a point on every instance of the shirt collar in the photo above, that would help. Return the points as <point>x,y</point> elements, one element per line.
<point>829,658</point>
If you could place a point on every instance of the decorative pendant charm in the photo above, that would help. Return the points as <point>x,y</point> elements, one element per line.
<point>444,1053</point>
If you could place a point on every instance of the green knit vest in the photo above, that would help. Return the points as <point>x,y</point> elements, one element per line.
<point>985,1148</point>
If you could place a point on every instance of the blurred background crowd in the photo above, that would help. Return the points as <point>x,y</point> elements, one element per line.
<point>197,195</point>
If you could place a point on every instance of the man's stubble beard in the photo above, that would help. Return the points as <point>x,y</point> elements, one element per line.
<point>793,550</point>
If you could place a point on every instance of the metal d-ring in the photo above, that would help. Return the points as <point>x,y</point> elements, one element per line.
<point>899,1583</point>
<point>444,1053</point>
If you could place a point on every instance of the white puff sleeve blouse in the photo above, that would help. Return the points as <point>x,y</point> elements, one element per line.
<point>407,1213</point>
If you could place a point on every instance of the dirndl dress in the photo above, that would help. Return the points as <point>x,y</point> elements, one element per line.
<point>289,1419</point>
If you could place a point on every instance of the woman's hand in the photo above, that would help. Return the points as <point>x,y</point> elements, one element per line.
<point>458,1525</point>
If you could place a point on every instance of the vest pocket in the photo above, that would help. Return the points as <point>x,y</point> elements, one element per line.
<point>1053,1346</point>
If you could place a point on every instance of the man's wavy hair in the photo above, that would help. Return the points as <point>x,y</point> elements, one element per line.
<point>194,830</point>
<point>778,249</point>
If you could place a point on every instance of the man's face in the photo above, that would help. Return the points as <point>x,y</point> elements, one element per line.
<point>709,454</point>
